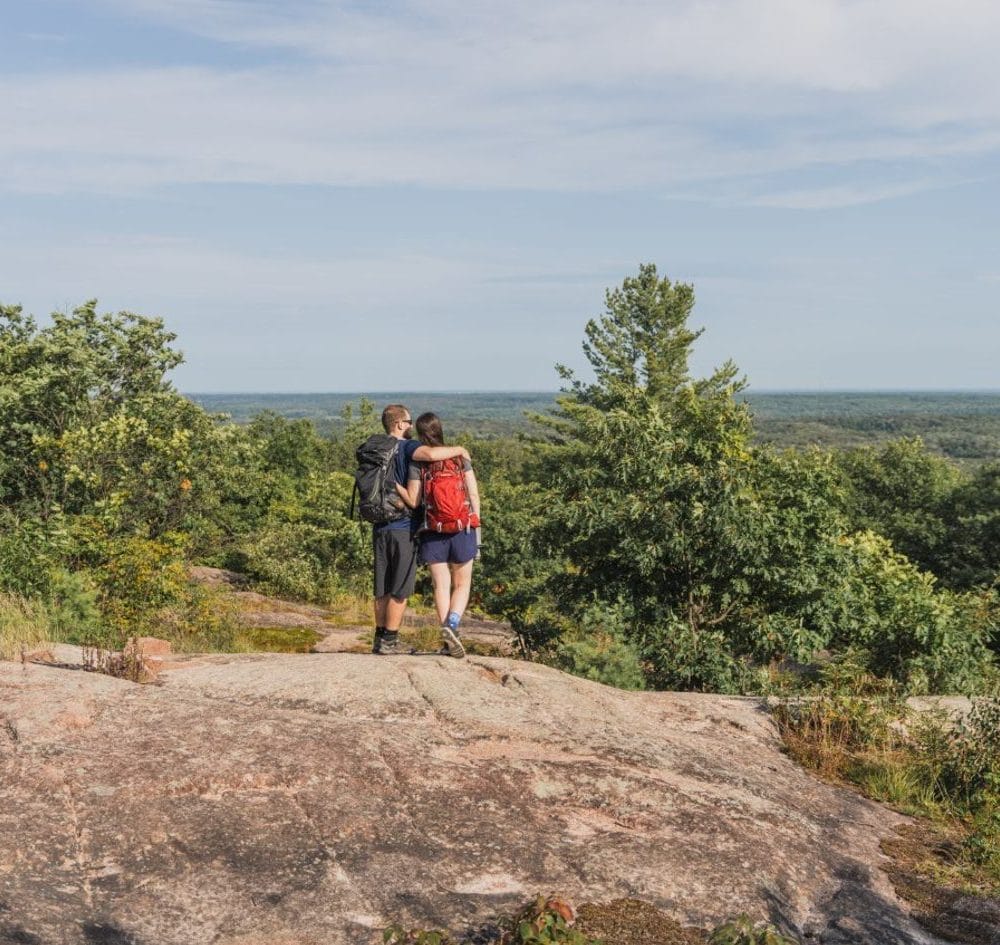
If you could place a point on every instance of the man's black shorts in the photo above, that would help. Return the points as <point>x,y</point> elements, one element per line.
<point>395,562</point>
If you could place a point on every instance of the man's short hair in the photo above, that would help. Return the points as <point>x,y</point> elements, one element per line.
<point>392,415</point>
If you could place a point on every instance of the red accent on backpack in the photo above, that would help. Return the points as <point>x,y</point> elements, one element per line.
<point>447,508</point>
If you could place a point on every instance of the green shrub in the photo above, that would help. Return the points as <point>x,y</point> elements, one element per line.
<point>905,492</point>
<point>928,640</point>
<point>73,604</point>
<point>31,548</point>
<point>971,772</point>
<point>982,845</point>
<point>603,658</point>
<point>598,649</point>
<point>924,763</point>
<point>282,561</point>
<point>683,656</point>
<point>308,548</point>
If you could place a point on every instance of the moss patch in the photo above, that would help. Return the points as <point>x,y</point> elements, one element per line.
<point>923,873</point>
<point>279,639</point>
<point>634,922</point>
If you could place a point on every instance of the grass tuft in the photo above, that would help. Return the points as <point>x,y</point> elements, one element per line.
<point>24,625</point>
<point>925,764</point>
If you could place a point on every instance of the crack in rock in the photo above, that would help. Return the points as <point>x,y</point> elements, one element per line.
<point>80,851</point>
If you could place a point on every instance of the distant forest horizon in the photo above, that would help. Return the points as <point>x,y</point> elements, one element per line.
<point>820,391</point>
<point>963,425</point>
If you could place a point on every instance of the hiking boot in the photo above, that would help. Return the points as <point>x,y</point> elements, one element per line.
<point>452,644</point>
<point>376,642</point>
<point>388,645</point>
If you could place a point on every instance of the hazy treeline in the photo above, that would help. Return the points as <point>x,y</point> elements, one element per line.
<point>641,533</point>
<point>962,425</point>
<point>503,411</point>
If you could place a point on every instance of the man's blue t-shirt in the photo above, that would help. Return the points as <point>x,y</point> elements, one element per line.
<point>404,456</point>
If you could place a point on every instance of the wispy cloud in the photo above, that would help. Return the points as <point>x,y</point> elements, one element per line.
<point>191,269</point>
<point>570,96</point>
<point>829,44</point>
<point>844,195</point>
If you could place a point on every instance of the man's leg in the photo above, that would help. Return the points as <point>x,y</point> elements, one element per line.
<point>401,555</point>
<point>389,612</point>
<point>380,607</point>
<point>395,607</point>
<point>386,559</point>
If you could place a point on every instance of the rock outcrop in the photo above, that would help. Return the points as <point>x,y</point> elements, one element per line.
<point>313,799</point>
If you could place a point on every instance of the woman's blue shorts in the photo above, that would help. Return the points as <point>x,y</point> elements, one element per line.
<point>455,549</point>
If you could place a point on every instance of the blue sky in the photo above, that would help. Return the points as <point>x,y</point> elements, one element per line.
<point>314,193</point>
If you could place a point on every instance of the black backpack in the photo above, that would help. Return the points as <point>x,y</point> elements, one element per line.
<point>375,481</point>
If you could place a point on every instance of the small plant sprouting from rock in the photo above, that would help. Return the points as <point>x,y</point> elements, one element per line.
<point>744,931</point>
<point>398,935</point>
<point>546,921</point>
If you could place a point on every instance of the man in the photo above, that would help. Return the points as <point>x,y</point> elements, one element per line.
<point>395,542</point>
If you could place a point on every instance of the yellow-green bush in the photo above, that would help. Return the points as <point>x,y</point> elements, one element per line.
<point>138,579</point>
<point>24,624</point>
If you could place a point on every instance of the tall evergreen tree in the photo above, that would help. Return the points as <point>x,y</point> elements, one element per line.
<point>657,510</point>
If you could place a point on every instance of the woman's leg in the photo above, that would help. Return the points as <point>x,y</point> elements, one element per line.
<point>461,587</point>
<point>441,578</point>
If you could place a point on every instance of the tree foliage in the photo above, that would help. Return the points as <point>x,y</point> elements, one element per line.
<point>728,557</point>
<point>902,491</point>
<point>639,538</point>
<point>971,556</point>
<point>109,474</point>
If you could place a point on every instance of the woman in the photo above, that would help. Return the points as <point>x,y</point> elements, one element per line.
<point>449,540</point>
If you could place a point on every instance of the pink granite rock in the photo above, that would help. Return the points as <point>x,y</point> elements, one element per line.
<point>314,799</point>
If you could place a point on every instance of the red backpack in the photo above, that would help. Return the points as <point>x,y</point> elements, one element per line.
<point>447,508</point>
